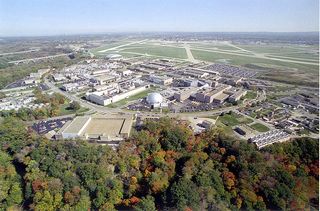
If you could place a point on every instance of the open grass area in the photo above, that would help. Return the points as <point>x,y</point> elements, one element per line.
<point>66,110</point>
<point>259,127</point>
<point>244,60</point>
<point>131,98</point>
<point>107,46</point>
<point>250,95</point>
<point>160,51</point>
<point>234,119</point>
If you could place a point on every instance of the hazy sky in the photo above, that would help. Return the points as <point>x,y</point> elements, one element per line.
<point>45,17</point>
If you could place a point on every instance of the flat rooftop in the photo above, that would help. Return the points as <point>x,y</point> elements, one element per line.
<point>99,126</point>
<point>110,127</point>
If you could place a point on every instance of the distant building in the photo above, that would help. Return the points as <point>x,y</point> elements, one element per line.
<point>184,94</point>
<point>108,96</point>
<point>163,80</point>
<point>207,96</point>
<point>104,79</point>
<point>237,95</point>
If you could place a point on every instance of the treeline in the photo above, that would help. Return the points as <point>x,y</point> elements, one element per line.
<point>163,166</point>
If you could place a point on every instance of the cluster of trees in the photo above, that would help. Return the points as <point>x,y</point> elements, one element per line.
<point>163,166</point>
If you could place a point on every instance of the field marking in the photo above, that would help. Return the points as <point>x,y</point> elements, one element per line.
<point>123,45</point>
<point>259,56</point>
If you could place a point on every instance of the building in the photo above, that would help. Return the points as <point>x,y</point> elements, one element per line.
<point>124,73</point>
<point>30,81</point>
<point>188,82</point>
<point>107,97</point>
<point>270,137</point>
<point>69,87</point>
<point>103,79</point>
<point>194,73</point>
<point>184,94</point>
<point>58,77</point>
<point>237,95</point>
<point>163,80</point>
<point>207,96</point>
<point>99,129</point>
<point>221,98</point>
<point>155,100</point>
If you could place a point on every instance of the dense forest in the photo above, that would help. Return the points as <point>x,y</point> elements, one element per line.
<point>163,166</point>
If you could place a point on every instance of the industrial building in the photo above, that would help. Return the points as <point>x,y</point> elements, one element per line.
<point>184,94</point>
<point>208,95</point>
<point>108,96</point>
<point>237,95</point>
<point>163,80</point>
<point>103,79</point>
<point>99,128</point>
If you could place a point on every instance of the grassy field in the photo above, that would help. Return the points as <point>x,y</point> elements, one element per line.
<point>251,95</point>
<point>108,45</point>
<point>160,51</point>
<point>243,60</point>
<point>259,127</point>
<point>234,119</point>
<point>132,98</point>
<point>65,110</point>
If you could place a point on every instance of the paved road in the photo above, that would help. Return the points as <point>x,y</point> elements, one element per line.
<point>19,52</point>
<point>189,53</point>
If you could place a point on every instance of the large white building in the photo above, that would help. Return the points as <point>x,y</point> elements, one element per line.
<point>107,97</point>
<point>155,100</point>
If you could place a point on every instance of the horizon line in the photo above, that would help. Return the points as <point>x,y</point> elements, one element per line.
<point>146,32</point>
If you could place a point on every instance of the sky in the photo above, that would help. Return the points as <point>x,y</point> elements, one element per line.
<point>57,17</point>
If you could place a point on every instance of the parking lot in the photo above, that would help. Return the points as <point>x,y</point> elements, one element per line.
<point>232,70</point>
<point>44,127</point>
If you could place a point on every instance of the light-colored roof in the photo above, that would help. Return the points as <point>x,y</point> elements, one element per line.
<point>153,98</point>
<point>104,126</point>
<point>221,96</point>
<point>77,124</point>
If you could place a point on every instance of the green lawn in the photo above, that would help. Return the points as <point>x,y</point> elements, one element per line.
<point>65,110</point>
<point>250,95</point>
<point>244,60</point>
<point>234,119</point>
<point>259,127</point>
<point>132,98</point>
<point>159,51</point>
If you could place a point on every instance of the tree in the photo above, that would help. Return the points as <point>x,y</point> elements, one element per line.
<point>146,204</point>
<point>183,194</point>
<point>74,105</point>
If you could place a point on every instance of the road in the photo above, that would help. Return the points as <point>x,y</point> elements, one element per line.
<point>19,52</point>
<point>189,53</point>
